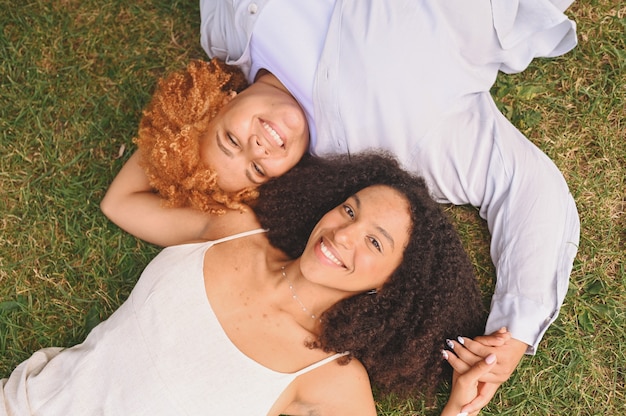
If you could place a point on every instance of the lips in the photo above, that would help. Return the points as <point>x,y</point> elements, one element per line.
<point>273,134</point>
<point>329,255</point>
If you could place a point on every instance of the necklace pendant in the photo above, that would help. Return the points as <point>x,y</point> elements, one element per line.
<point>294,295</point>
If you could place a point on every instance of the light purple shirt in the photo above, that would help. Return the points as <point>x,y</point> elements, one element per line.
<point>414,78</point>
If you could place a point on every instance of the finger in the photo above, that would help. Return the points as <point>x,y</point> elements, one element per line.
<point>491,378</point>
<point>485,394</point>
<point>464,353</point>
<point>492,340</point>
<point>455,362</point>
<point>499,374</point>
<point>495,339</point>
<point>475,347</point>
<point>502,335</point>
<point>477,371</point>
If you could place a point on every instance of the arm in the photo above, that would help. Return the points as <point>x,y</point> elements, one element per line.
<point>535,231</point>
<point>333,389</point>
<point>483,160</point>
<point>487,162</point>
<point>132,205</point>
<point>465,387</point>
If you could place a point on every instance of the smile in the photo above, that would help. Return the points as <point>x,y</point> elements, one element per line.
<point>273,134</point>
<point>330,255</point>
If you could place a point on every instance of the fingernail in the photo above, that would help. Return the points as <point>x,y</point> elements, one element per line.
<point>462,414</point>
<point>461,340</point>
<point>450,344</point>
<point>490,359</point>
<point>444,354</point>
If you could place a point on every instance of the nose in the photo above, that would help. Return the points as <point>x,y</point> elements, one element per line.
<point>258,148</point>
<point>346,234</point>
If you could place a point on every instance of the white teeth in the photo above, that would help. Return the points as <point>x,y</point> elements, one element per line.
<point>279,142</point>
<point>329,255</point>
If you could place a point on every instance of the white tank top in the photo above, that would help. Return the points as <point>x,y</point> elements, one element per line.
<point>162,353</point>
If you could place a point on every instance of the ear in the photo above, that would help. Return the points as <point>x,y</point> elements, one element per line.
<point>229,97</point>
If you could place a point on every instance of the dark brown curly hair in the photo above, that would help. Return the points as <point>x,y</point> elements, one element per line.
<point>178,114</point>
<point>398,333</point>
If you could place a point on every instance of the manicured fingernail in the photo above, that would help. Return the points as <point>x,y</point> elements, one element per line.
<point>450,344</point>
<point>461,340</point>
<point>490,359</point>
<point>462,414</point>
<point>444,354</point>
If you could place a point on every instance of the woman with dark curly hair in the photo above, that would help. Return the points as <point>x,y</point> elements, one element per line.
<point>396,333</point>
<point>233,325</point>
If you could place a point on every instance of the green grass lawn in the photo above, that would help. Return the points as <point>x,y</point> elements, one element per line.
<point>74,76</point>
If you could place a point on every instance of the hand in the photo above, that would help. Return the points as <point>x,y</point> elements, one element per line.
<point>466,387</point>
<point>509,351</point>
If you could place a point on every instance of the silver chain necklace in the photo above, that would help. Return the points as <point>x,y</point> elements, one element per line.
<point>293,294</point>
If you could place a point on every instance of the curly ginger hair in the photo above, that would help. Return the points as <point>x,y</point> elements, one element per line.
<point>177,116</point>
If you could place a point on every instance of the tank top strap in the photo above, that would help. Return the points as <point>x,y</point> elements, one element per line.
<point>238,235</point>
<point>321,363</point>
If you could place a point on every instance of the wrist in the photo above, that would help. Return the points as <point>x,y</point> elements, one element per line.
<point>453,408</point>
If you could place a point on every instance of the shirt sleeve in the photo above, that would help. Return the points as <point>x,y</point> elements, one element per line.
<point>480,158</point>
<point>225,29</point>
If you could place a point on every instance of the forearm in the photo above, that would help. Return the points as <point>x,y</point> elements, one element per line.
<point>535,232</point>
<point>131,204</point>
<point>452,409</point>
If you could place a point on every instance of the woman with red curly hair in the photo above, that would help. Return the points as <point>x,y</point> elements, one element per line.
<point>208,139</point>
<point>290,311</point>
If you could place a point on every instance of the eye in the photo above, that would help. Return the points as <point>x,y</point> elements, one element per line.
<point>348,210</point>
<point>231,140</point>
<point>258,170</point>
<point>376,244</point>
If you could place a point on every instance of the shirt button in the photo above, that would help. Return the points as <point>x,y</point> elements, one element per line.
<point>252,8</point>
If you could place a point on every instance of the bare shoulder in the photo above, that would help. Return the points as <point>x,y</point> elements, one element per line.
<point>334,389</point>
<point>229,223</point>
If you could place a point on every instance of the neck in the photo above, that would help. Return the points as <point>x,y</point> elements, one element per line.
<point>307,297</point>
<point>266,77</point>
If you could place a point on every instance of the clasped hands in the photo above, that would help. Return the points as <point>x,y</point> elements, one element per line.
<point>480,366</point>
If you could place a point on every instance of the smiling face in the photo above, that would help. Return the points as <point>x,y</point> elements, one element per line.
<point>260,134</point>
<point>357,246</point>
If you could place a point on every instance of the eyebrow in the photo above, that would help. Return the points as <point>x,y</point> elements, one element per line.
<point>378,227</point>
<point>228,153</point>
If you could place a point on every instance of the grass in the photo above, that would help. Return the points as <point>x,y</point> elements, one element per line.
<point>74,77</point>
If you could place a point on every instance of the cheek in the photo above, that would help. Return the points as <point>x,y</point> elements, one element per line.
<point>303,141</point>
<point>230,176</point>
<point>207,151</point>
<point>380,269</point>
<point>283,166</point>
